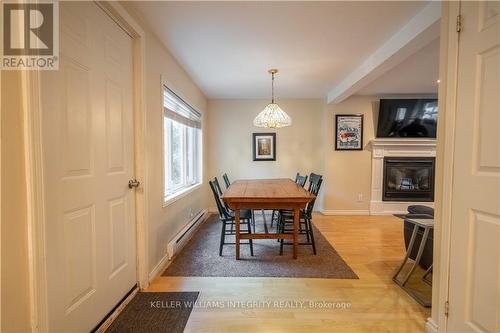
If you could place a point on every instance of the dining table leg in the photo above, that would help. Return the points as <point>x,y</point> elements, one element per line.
<point>296,222</point>
<point>237,236</point>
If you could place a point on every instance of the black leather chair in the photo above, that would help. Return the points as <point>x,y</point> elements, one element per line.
<point>422,212</point>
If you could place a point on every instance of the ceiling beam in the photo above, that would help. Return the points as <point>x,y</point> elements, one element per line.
<point>417,33</point>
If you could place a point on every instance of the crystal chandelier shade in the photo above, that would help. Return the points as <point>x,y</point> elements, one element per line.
<point>272,116</point>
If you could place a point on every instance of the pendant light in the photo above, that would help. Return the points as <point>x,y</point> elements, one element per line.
<point>272,116</point>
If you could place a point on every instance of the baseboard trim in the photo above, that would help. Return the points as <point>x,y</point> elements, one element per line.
<point>159,268</point>
<point>431,326</point>
<point>345,212</point>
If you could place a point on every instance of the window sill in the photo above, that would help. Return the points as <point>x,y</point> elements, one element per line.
<point>180,194</point>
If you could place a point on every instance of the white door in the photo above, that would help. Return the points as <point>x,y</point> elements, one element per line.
<point>474,293</point>
<point>88,155</point>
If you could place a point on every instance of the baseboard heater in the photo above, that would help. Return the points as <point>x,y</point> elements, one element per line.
<point>185,234</point>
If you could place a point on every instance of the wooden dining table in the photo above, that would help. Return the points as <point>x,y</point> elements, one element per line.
<point>267,194</point>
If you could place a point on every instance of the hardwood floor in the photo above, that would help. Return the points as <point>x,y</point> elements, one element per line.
<point>373,247</point>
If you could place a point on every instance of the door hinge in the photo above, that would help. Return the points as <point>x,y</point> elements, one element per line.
<point>459,23</point>
<point>446,308</point>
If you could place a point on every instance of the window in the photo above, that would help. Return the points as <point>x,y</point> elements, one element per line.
<point>182,145</point>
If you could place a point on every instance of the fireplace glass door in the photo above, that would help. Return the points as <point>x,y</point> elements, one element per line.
<point>408,179</point>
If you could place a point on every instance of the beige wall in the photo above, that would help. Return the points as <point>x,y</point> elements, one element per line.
<point>15,312</point>
<point>230,139</point>
<point>348,173</point>
<point>306,146</point>
<point>163,223</point>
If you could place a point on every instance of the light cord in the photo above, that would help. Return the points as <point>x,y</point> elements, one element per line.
<point>272,88</point>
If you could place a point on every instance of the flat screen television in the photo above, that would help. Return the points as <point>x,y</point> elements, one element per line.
<point>407,118</point>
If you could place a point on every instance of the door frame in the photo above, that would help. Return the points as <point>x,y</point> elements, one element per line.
<point>33,149</point>
<point>448,72</point>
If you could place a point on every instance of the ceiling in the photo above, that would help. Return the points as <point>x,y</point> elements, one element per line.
<point>227,47</point>
<point>415,75</point>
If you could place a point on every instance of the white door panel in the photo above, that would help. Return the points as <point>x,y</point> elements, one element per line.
<point>475,240</point>
<point>88,160</point>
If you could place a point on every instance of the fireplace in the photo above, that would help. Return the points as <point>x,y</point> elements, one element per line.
<point>383,200</point>
<point>408,179</point>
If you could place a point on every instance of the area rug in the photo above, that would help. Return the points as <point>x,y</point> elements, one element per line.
<point>200,257</point>
<point>151,312</point>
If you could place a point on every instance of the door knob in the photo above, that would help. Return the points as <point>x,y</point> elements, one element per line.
<point>133,183</point>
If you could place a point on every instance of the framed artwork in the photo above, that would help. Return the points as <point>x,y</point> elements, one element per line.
<point>264,146</point>
<point>349,132</point>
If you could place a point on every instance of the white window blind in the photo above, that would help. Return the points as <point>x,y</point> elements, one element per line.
<point>176,109</point>
<point>182,143</point>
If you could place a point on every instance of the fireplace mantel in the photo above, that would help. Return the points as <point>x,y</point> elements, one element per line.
<point>400,147</point>
<point>399,142</point>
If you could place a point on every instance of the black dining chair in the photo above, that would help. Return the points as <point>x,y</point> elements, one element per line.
<point>227,183</point>
<point>227,218</point>
<point>217,186</point>
<point>226,180</point>
<point>300,180</point>
<point>219,191</point>
<point>285,219</point>
<point>313,180</point>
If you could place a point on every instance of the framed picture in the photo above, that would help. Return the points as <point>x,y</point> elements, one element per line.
<point>349,132</point>
<point>264,146</point>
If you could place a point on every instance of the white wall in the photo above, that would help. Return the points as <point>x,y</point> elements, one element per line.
<point>298,147</point>
<point>163,223</point>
